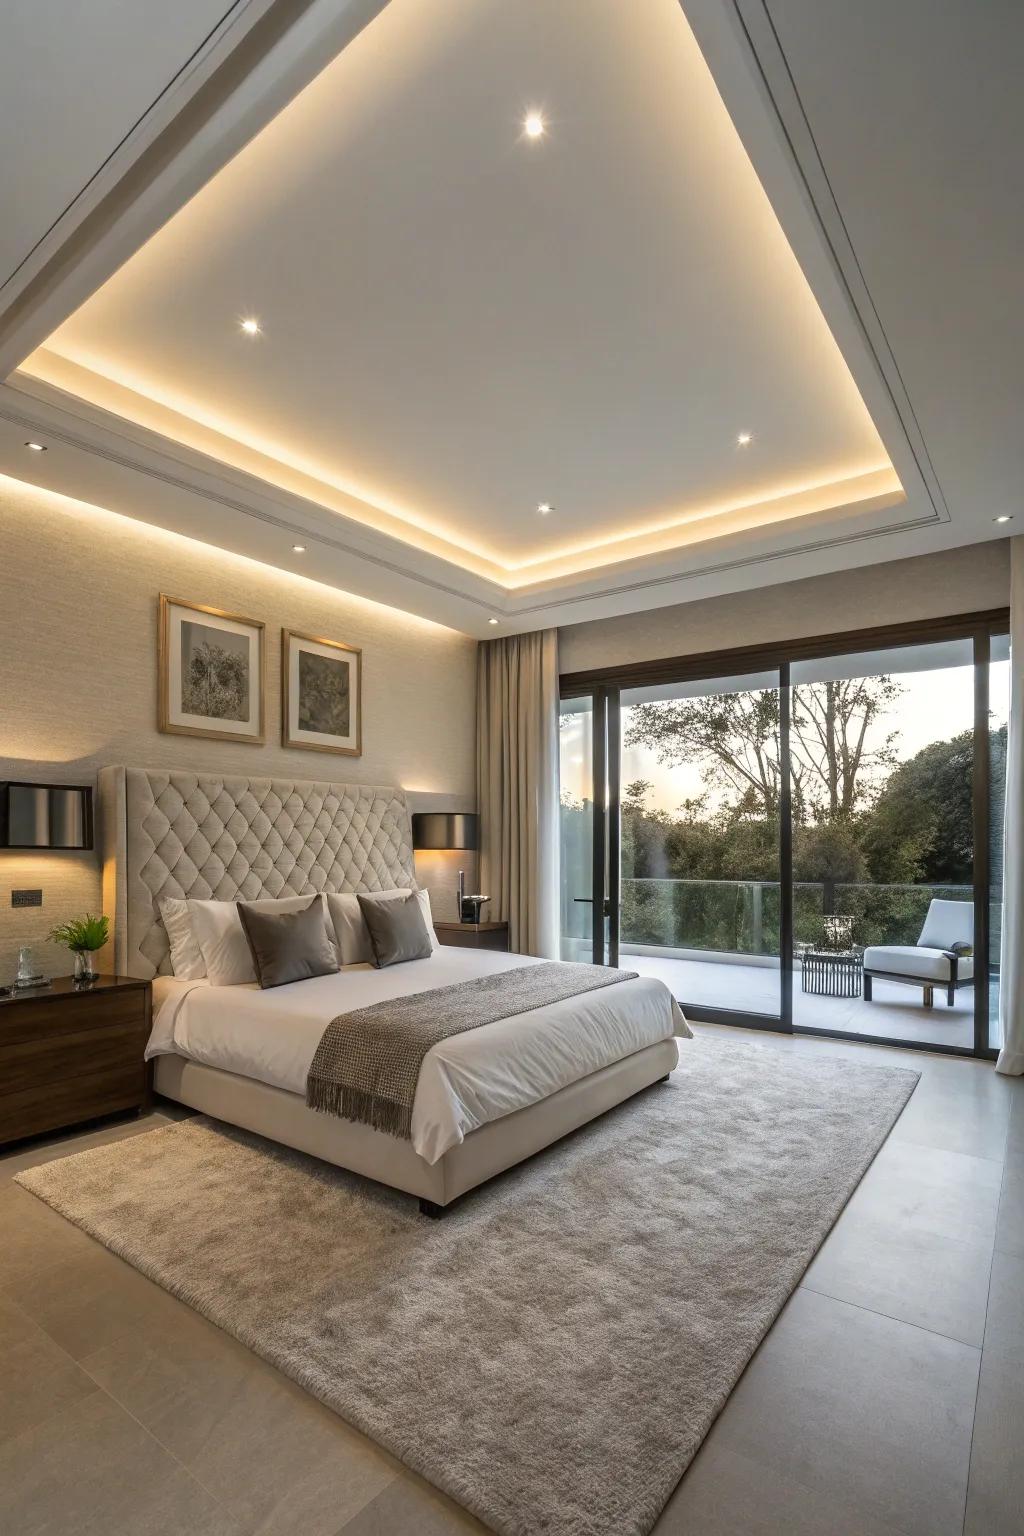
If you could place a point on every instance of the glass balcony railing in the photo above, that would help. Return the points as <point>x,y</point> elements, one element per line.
<point>741,917</point>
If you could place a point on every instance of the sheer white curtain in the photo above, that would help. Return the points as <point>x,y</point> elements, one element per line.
<point>517,787</point>
<point>1011,960</point>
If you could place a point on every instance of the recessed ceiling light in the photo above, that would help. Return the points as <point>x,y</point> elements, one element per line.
<point>544,507</point>
<point>744,439</point>
<point>36,447</point>
<point>300,549</point>
<point>1005,517</point>
<point>251,326</point>
<point>533,125</point>
<point>492,621</point>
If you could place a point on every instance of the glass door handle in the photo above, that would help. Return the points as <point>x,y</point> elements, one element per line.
<point>606,906</point>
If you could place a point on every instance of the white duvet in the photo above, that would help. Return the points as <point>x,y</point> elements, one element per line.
<point>464,1082</point>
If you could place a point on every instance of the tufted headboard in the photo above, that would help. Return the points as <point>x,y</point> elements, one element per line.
<point>198,834</point>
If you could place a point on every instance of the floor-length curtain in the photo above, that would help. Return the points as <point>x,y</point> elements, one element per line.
<point>517,787</point>
<point>1011,960</point>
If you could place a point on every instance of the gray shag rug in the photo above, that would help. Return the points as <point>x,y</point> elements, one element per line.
<point>553,1352</point>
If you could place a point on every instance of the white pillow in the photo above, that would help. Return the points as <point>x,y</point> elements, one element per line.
<point>352,934</point>
<point>221,938</point>
<point>186,956</point>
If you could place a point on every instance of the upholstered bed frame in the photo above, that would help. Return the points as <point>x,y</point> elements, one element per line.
<point>172,834</point>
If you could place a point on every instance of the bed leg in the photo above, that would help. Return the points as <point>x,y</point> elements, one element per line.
<point>429,1208</point>
<point>665,1078</point>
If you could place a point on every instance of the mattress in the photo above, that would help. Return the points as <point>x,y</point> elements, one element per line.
<point>465,1082</point>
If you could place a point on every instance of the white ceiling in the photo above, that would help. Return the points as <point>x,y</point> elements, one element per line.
<point>62,121</point>
<point>459,323</point>
<point>917,110</point>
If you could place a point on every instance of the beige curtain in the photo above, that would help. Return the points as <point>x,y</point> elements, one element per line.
<point>517,787</point>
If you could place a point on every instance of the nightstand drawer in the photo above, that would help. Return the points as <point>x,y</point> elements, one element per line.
<point>473,935</point>
<point>71,1053</point>
<point>51,1105</point>
<point>47,1058</point>
<point>45,1016</point>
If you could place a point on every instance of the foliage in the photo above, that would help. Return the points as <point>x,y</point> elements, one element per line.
<point>735,733</point>
<point>324,703</point>
<point>706,877</point>
<point>922,826</point>
<point>216,683</point>
<point>82,934</point>
<point>834,766</point>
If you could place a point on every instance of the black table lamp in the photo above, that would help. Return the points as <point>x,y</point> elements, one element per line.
<point>57,816</point>
<point>441,831</point>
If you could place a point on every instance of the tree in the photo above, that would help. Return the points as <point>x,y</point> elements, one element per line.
<point>834,764</point>
<point>827,854</point>
<point>737,733</point>
<point>634,795</point>
<point>921,827</point>
<point>834,759</point>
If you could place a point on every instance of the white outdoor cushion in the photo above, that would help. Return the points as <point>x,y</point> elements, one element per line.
<point>913,960</point>
<point>186,956</point>
<point>947,923</point>
<point>219,934</point>
<point>350,931</point>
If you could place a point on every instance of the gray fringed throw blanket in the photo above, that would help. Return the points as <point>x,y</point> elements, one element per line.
<point>368,1063</point>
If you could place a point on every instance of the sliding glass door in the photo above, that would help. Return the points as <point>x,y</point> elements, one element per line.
<point>672,801</point>
<point>700,893</point>
<point>882,767</point>
<point>810,841</point>
<point>577,819</point>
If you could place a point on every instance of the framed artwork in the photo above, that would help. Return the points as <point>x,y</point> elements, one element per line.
<point>321,694</point>
<point>212,672</point>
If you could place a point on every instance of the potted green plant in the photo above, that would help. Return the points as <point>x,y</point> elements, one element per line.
<point>83,936</point>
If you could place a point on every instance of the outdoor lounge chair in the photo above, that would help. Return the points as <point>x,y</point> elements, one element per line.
<point>942,957</point>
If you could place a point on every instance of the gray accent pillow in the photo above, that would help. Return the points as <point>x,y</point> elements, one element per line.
<point>396,927</point>
<point>288,946</point>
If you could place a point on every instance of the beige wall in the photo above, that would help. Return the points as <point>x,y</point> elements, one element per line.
<point>930,586</point>
<point>78,636</point>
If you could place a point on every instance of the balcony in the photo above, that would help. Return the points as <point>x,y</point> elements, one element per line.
<point>715,943</point>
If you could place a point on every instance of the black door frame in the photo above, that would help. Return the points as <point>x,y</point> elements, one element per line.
<point>603,687</point>
<point>606,823</point>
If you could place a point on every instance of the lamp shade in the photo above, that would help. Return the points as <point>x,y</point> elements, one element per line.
<point>444,829</point>
<point>45,815</point>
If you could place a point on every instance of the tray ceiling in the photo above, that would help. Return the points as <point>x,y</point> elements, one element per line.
<point>459,322</point>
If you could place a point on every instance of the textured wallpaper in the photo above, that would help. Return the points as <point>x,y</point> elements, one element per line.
<point>78,684</point>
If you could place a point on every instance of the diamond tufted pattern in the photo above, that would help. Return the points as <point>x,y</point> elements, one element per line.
<point>230,839</point>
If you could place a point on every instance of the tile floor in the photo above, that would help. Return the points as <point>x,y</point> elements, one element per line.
<point>895,1011</point>
<point>887,1398</point>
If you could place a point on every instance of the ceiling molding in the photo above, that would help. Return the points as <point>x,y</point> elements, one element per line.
<point>259,58</point>
<point>261,55</point>
<point>238,18</point>
<point>743,51</point>
<point>257,520</point>
<point>35,408</point>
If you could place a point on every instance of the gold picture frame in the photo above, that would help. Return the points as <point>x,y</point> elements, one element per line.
<point>327,691</point>
<point>218,662</point>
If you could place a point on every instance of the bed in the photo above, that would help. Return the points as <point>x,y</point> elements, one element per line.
<point>485,1100</point>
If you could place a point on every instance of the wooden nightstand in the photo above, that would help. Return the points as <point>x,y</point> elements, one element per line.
<point>473,935</point>
<point>70,1053</point>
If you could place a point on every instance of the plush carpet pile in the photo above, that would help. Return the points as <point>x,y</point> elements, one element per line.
<point>553,1352</point>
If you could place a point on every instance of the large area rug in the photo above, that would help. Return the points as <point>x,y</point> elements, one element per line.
<point>553,1352</point>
